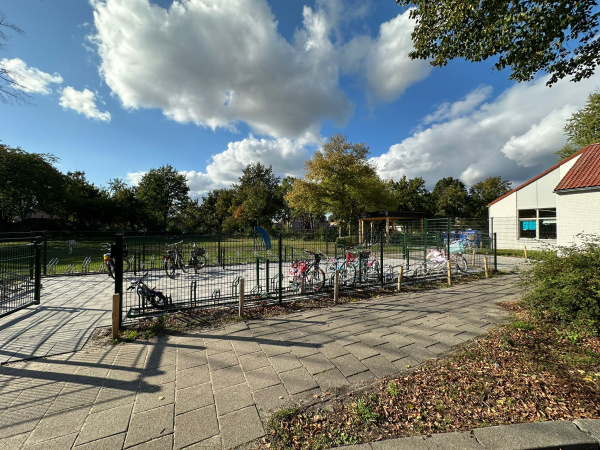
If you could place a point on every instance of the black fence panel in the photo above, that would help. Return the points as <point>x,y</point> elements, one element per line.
<point>19,275</point>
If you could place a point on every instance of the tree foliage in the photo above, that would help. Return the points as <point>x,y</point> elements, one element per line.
<point>257,192</point>
<point>164,192</point>
<point>485,192</point>
<point>583,128</point>
<point>527,36</point>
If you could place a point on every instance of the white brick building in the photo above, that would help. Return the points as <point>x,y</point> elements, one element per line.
<point>553,208</point>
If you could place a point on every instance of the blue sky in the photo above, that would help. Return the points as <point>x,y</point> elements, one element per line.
<point>119,87</point>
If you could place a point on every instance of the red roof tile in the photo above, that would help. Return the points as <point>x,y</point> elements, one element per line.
<point>585,173</point>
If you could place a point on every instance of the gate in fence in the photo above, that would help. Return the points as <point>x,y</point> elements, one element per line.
<point>20,273</point>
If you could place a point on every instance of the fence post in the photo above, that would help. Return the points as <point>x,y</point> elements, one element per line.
<point>116,315</point>
<point>485,266</point>
<point>143,262</point>
<point>241,298</point>
<point>380,274</point>
<point>280,264</point>
<point>474,257</point>
<point>495,253</point>
<point>117,255</point>
<point>38,275</point>
<point>219,250</point>
<point>336,287</point>
<point>45,258</point>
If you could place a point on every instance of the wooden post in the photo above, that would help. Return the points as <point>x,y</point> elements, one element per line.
<point>241,298</point>
<point>116,310</point>
<point>336,287</point>
<point>525,250</point>
<point>473,258</point>
<point>485,266</point>
<point>400,269</point>
<point>449,273</point>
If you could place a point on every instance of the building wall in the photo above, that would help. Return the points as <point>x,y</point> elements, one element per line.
<point>577,213</point>
<point>504,221</point>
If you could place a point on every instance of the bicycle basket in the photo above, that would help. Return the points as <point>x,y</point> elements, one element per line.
<point>302,266</point>
<point>457,247</point>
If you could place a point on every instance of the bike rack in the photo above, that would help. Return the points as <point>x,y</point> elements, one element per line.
<point>234,286</point>
<point>275,282</point>
<point>51,266</point>
<point>85,265</point>
<point>193,292</point>
<point>70,269</point>
<point>216,294</point>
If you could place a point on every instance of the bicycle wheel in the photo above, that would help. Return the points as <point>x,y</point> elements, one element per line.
<point>181,263</point>
<point>126,265</point>
<point>461,263</point>
<point>111,270</point>
<point>348,275</point>
<point>316,279</point>
<point>158,300</point>
<point>170,267</point>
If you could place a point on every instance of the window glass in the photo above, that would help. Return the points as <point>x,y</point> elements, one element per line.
<point>527,214</point>
<point>547,212</point>
<point>527,229</point>
<point>547,228</point>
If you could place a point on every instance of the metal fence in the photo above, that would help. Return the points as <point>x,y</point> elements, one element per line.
<point>19,275</point>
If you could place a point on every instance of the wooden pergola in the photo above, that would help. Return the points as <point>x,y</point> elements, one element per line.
<point>390,218</point>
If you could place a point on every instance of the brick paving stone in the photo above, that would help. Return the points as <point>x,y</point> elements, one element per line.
<point>391,352</point>
<point>58,424</point>
<point>349,365</point>
<point>194,397</point>
<point>114,442</point>
<point>243,347</point>
<point>192,377</point>
<point>333,350</point>
<point>261,378</point>
<point>195,426</point>
<point>159,375</point>
<point>217,344</point>
<point>304,350</point>
<point>361,351</point>
<point>439,348</point>
<point>233,398</point>
<point>273,349</point>
<point>346,340</point>
<point>17,421</point>
<point>221,360</point>
<point>284,362</point>
<point>162,443</point>
<point>159,357</point>
<point>104,423</point>
<point>149,425</point>
<point>298,380</point>
<point>316,363</point>
<point>331,379</point>
<point>240,427</point>
<point>379,366</point>
<point>406,363</point>
<point>57,443</point>
<point>189,359</point>
<point>271,398</point>
<point>227,377</point>
<point>111,397</point>
<point>154,398</point>
<point>419,353</point>
<point>252,361</point>
<point>362,377</point>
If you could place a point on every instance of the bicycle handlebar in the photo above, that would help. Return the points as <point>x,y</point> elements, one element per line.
<point>175,243</point>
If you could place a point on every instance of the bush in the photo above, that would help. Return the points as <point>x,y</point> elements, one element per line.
<point>566,286</point>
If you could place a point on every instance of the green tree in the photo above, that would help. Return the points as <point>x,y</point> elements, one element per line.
<point>528,36</point>
<point>127,209</point>
<point>256,190</point>
<point>451,198</point>
<point>85,205</point>
<point>485,192</point>
<point>411,195</point>
<point>583,128</point>
<point>339,180</point>
<point>28,182</point>
<point>164,192</point>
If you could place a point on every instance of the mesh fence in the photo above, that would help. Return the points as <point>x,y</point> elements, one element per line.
<point>19,286</point>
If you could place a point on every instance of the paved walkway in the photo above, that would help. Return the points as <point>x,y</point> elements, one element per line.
<point>214,389</point>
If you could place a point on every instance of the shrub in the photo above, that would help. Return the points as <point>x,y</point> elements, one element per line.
<point>566,286</point>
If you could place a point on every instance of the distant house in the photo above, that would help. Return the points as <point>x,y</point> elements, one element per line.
<point>553,208</point>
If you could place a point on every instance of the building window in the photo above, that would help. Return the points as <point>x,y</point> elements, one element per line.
<point>537,223</point>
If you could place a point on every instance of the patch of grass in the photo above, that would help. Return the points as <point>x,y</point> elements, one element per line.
<point>129,335</point>
<point>392,389</point>
<point>365,409</point>
<point>523,325</point>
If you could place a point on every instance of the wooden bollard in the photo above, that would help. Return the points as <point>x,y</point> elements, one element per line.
<point>485,266</point>
<point>336,287</point>
<point>400,270</point>
<point>525,251</point>
<point>449,273</point>
<point>116,306</point>
<point>241,298</point>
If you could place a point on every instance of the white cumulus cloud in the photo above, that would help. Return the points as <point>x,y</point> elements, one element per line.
<point>29,79</point>
<point>83,102</point>
<point>513,135</point>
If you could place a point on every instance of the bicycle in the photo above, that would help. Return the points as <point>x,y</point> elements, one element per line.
<point>345,267</point>
<point>173,260</point>
<point>109,261</point>
<point>369,265</point>
<point>303,272</point>
<point>436,259</point>
<point>198,257</point>
<point>148,296</point>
